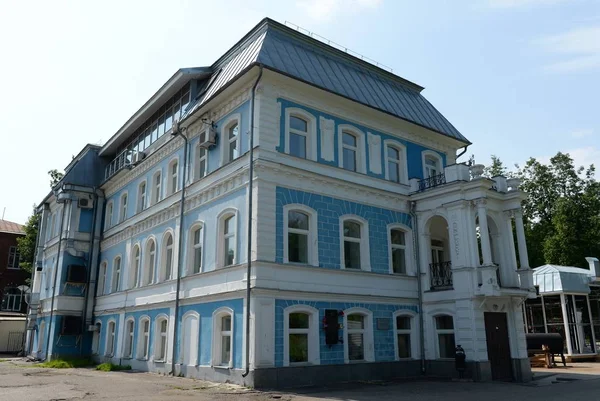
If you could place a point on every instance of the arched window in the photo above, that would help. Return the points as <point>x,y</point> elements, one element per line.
<point>301,335</point>
<point>444,329</point>
<point>300,128</point>
<point>200,168</point>
<point>173,177</point>
<point>223,338</point>
<point>136,266</point>
<point>96,338</point>
<point>355,248</point>
<point>156,187</point>
<point>352,156</point>
<point>395,167</point>
<point>397,249</point>
<point>227,239</point>
<point>102,278</point>
<point>110,339</point>
<point>116,275</point>
<point>123,208</point>
<point>358,333</point>
<point>129,333</point>
<point>404,329</point>
<point>109,215</point>
<point>233,133</point>
<point>167,257</point>
<point>150,262</point>
<point>160,345</point>
<point>432,164</point>
<point>300,235</point>
<point>143,346</point>
<point>190,339</point>
<point>141,200</point>
<point>195,250</point>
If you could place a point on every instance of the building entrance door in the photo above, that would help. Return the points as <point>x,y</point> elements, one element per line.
<point>498,347</point>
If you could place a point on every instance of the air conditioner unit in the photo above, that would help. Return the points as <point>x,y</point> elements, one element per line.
<point>84,203</point>
<point>211,138</point>
<point>137,157</point>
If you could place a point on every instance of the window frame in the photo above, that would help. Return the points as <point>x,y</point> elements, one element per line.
<point>158,338</point>
<point>437,332</point>
<point>408,239</point>
<point>192,246</point>
<point>313,330</point>
<point>194,356</point>
<point>412,332</point>
<point>42,338</point>
<point>368,343</point>
<point>129,338</point>
<point>123,206</point>
<point>13,253</point>
<point>361,151</point>
<point>142,196</point>
<point>135,266</point>
<point>156,189</point>
<point>110,336</point>
<point>164,259</point>
<point>199,159</point>
<point>310,134</point>
<point>216,361</point>
<point>221,218</point>
<point>173,180</point>
<point>402,161</point>
<point>365,256</point>
<point>149,274</point>
<point>101,289</point>
<point>108,218</point>
<point>116,274</point>
<point>96,338</point>
<point>233,119</point>
<point>313,247</point>
<point>430,153</point>
<point>141,352</point>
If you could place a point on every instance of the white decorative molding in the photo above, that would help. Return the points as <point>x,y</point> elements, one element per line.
<point>327,138</point>
<point>374,152</point>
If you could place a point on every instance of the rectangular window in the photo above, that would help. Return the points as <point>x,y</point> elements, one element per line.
<point>197,250</point>
<point>298,337</point>
<point>403,336</point>
<point>229,241</point>
<point>398,248</point>
<point>123,208</point>
<point>142,197</point>
<point>13,257</point>
<point>445,333</point>
<point>162,341</point>
<point>298,230</point>
<point>129,340</point>
<point>226,340</point>
<point>157,185</point>
<point>352,245</point>
<point>145,339</point>
<point>349,150</point>
<point>356,337</point>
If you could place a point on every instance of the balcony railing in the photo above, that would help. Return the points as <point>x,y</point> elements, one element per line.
<point>121,161</point>
<point>441,275</point>
<point>432,182</point>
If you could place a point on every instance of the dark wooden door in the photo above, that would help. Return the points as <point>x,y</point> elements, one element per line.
<point>498,346</point>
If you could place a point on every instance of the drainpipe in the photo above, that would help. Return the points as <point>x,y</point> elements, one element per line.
<point>463,152</point>
<point>89,269</point>
<point>62,219</point>
<point>250,192</point>
<point>413,208</point>
<point>177,132</point>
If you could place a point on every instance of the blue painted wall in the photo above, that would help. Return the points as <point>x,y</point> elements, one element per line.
<point>86,218</point>
<point>383,340</point>
<point>413,150</point>
<point>329,211</point>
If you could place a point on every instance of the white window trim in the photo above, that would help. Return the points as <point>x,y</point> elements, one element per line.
<point>110,207</point>
<point>414,347</point>
<point>162,276</point>
<point>153,191</point>
<point>235,118</point>
<point>216,339</point>
<point>123,214</point>
<point>311,134</point>
<point>16,261</point>
<point>170,189</point>
<point>142,205</point>
<point>192,247</point>
<point>133,267</point>
<point>314,357</point>
<point>102,278</point>
<point>313,247</point>
<point>220,238</point>
<point>143,354</point>
<point>403,160</point>
<point>436,155</point>
<point>190,315</point>
<point>365,257</point>
<point>114,338</point>
<point>361,151</point>
<point>408,248</point>
<point>96,338</point>
<point>197,158</point>
<point>126,337</point>
<point>435,331</point>
<point>113,279</point>
<point>367,336</point>
<point>146,262</point>
<point>158,337</point>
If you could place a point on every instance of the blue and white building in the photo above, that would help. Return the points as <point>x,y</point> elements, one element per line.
<point>290,214</point>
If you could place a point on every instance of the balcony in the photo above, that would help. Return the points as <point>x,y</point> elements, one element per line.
<point>441,275</point>
<point>432,182</point>
<point>118,163</point>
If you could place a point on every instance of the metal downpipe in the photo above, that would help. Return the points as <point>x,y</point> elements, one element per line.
<point>413,207</point>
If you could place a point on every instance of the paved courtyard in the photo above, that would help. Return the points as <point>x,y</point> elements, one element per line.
<point>21,381</point>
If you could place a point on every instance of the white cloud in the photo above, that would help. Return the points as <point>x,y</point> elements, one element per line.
<point>323,10</point>
<point>521,3</point>
<point>579,48</point>
<point>582,133</point>
<point>585,156</point>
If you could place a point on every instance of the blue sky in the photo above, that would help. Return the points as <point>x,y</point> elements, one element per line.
<point>519,78</point>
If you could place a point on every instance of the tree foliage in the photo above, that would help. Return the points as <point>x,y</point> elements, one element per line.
<point>26,244</point>
<point>55,177</point>
<point>496,168</point>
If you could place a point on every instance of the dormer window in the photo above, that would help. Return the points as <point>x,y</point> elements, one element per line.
<point>432,164</point>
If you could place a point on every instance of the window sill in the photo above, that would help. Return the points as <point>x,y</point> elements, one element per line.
<point>127,358</point>
<point>162,361</point>
<point>224,367</point>
<point>142,359</point>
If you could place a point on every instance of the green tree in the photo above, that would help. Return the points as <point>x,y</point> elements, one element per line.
<point>55,177</point>
<point>496,168</point>
<point>26,244</point>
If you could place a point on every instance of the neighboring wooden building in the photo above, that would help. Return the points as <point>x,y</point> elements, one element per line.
<point>11,276</point>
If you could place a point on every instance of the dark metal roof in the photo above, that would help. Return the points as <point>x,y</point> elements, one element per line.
<point>299,56</point>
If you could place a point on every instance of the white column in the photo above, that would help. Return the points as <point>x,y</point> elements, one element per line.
<point>486,248</point>
<point>510,269</point>
<point>563,304</point>
<point>523,256</point>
